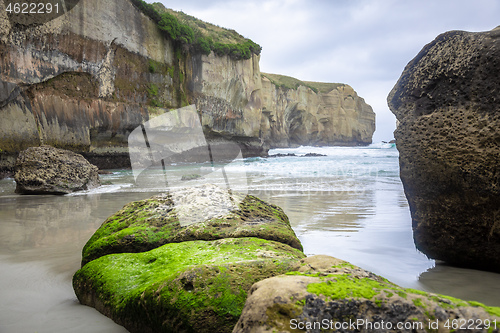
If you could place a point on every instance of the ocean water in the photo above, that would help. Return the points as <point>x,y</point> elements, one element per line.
<point>348,204</point>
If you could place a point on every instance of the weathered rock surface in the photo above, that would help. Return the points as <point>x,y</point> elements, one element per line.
<point>448,111</point>
<point>212,214</point>
<point>48,170</point>
<point>68,81</point>
<point>228,94</point>
<point>6,174</point>
<point>86,79</point>
<point>313,113</point>
<point>194,286</point>
<point>329,295</point>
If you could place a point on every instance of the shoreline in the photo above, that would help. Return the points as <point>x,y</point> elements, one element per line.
<point>356,224</point>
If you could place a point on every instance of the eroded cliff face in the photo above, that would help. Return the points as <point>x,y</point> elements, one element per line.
<point>329,114</point>
<point>228,94</point>
<point>85,80</point>
<point>81,81</point>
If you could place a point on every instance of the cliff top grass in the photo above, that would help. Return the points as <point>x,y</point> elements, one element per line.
<point>324,87</point>
<point>198,35</point>
<point>288,82</point>
<point>217,33</point>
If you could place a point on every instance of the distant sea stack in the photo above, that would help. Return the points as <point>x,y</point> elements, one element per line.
<point>448,109</point>
<point>313,113</point>
<point>85,80</point>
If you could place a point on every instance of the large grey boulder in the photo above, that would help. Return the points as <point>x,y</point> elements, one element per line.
<point>447,104</point>
<point>48,170</point>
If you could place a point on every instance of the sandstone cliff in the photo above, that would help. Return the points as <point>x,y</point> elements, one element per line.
<point>228,93</point>
<point>81,80</point>
<point>313,113</point>
<point>448,112</point>
<point>85,80</point>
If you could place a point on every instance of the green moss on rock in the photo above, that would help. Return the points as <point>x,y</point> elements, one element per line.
<point>147,224</point>
<point>346,287</point>
<point>191,33</point>
<point>196,286</point>
<point>492,310</point>
<point>324,290</point>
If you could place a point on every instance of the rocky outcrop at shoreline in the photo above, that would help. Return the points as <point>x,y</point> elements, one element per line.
<point>162,276</point>
<point>48,170</point>
<point>313,113</point>
<point>144,225</point>
<point>330,295</point>
<point>183,281</point>
<point>448,137</point>
<point>193,286</point>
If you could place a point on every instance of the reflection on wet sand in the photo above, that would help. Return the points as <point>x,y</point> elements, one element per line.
<point>41,238</point>
<point>463,283</point>
<point>336,211</point>
<point>31,222</point>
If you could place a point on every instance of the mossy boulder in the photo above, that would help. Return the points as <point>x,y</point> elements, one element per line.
<point>49,170</point>
<point>147,224</point>
<point>194,286</point>
<point>326,293</point>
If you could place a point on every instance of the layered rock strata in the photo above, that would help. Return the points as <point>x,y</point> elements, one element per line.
<point>85,80</point>
<point>313,113</point>
<point>448,111</point>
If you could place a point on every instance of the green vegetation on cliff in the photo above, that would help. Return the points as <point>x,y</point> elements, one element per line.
<point>324,87</point>
<point>287,82</point>
<point>198,35</point>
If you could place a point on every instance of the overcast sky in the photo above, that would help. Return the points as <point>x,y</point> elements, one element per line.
<point>364,43</point>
